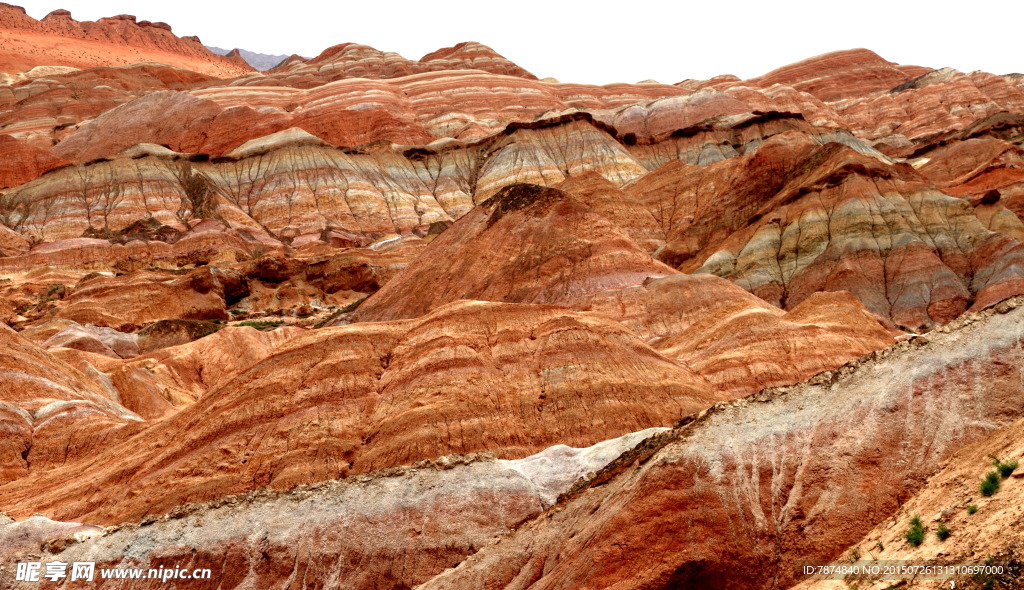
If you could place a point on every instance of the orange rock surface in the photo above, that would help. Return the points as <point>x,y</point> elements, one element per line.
<point>841,74</point>
<point>23,162</point>
<point>368,396</point>
<point>396,322</point>
<point>352,60</point>
<point>738,342</point>
<point>50,412</point>
<point>58,39</point>
<point>736,498</point>
<point>526,244</point>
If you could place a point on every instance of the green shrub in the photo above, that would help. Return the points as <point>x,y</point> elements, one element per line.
<point>353,306</point>
<point>942,532</point>
<point>347,309</point>
<point>990,485</point>
<point>261,325</point>
<point>915,534</point>
<point>1005,469</point>
<point>972,509</point>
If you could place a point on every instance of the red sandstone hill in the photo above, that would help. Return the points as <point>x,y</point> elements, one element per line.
<point>735,498</point>
<point>59,40</point>
<point>352,60</point>
<point>526,244</point>
<point>436,304</point>
<point>840,74</point>
<point>23,162</point>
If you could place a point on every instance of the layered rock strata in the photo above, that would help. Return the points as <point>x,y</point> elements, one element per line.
<point>734,498</point>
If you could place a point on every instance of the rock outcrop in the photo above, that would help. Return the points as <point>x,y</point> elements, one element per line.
<point>736,497</point>
<point>403,299</point>
<point>131,302</point>
<point>738,342</point>
<point>526,244</point>
<point>160,383</point>
<point>352,60</point>
<point>952,498</point>
<point>401,526</point>
<point>469,377</point>
<point>59,40</point>
<point>928,259</point>
<point>23,162</point>
<point>42,110</point>
<point>51,412</point>
<point>840,75</point>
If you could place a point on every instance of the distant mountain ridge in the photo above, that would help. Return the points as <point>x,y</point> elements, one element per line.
<point>260,61</point>
<point>58,39</point>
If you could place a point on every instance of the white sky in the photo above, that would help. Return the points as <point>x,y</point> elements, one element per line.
<point>601,41</point>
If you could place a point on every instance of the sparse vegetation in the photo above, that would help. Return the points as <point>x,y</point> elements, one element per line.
<point>942,532</point>
<point>353,306</point>
<point>987,582</point>
<point>54,292</point>
<point>1005,468</point>
<point>330,316</point>
<point>972,509</point>
<point>915,534</point>
<point>990,485</point>
<point>334,314</point>
<point>261,325</point>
